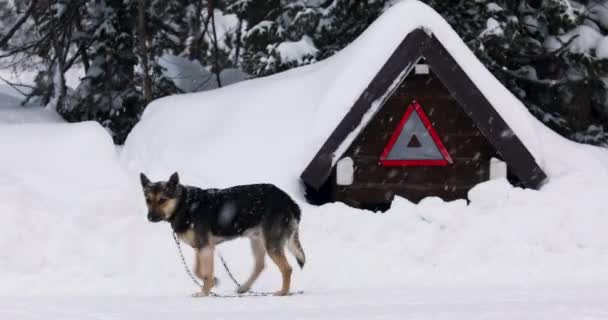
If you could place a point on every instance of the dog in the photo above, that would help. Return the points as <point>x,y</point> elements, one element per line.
<point>204,218</point>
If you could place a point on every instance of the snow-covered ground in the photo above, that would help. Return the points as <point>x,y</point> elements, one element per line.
<point>75,242</point>
<point>573,303</point>
<point>12,112</point>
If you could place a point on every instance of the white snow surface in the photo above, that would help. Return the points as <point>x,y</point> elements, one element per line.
<point>601,51</point>
<point>584,39</point>
<point>191,76</point>
<point>413,303</point>
<point>296,50</point>
<point>599,12</point>
<point>492,28</point>
<point>75,220</point>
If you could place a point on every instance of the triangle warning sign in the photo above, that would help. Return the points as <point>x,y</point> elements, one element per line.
<point>415,142</point>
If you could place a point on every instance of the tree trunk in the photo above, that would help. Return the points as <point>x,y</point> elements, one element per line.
<point>147,87</point>
<point>195,47</point>
<point>58,91</point>
<point>216,65</point>
<point>237,49</point>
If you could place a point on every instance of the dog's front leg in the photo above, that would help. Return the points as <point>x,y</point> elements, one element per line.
<point>204,264</point>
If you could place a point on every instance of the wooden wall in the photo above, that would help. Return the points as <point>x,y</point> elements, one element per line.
<point>376,185</point>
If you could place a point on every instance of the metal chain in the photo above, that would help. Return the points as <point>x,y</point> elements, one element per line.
<point>181,254</point>
<point>236,283</point>
<point>198,284</point>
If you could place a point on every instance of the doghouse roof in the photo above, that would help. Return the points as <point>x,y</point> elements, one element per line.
<point>418,44</point>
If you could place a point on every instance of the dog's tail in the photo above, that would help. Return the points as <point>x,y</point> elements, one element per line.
<point>295,247</point>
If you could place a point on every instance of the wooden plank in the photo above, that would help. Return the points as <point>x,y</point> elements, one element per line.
<point>382,195</point>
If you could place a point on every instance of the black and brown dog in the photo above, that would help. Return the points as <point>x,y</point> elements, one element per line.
<point>203,218</point>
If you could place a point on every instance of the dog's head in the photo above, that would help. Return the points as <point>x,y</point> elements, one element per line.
<point>162,197</point>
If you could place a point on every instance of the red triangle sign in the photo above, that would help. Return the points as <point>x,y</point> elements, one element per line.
<point>429,151</point>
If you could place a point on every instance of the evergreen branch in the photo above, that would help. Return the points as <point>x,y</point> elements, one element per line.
<point>544,82</point>
<point>564,46</point>
<point>527,58</point>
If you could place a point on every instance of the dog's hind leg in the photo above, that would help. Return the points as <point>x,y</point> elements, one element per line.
<point>295,247</point>
<point>259,253</point>
<point>277,254</point>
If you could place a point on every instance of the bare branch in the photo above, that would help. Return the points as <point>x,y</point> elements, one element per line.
<point>543,82</point>
<point>16,86</point>
<point>5,38</point>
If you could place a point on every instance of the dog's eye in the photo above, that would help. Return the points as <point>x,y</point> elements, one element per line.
<point>162,200</point>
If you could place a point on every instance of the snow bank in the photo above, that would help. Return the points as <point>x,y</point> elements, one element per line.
<point>76,217</point>
<point>60,185</point>
<point>56,159</point>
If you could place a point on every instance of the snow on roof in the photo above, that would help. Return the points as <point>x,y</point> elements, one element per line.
<point>268,129</point>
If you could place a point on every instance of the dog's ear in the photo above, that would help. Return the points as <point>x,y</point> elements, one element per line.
<point>144,180</point>
<point>173,182</point>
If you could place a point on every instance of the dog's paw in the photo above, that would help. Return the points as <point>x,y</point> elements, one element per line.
<point>242,289</point>
<point>281,293</point>
<point>199,294</point>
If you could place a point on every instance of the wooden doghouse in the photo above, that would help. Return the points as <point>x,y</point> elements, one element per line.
<point>434,134</point>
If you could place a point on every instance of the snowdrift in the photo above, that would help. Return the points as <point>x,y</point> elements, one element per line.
<point>76,216</point>
<point>12,112</point>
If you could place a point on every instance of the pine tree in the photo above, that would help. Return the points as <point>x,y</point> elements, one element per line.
<point>343,20</point>
<point>108,92</point>
<point>530,46</point>
<point>323,26</point>
<point>260,56</point>
<point>161,29</point>
<point>282,22</point>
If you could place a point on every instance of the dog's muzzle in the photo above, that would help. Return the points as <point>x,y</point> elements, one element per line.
<point>154,217</point>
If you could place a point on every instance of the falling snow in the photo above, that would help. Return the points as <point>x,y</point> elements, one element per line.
<point>78,245</point>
